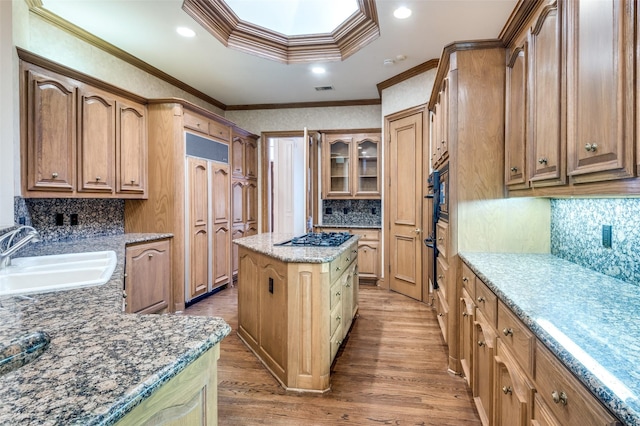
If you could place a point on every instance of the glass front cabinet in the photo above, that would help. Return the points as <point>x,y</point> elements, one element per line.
<point>351,166</point>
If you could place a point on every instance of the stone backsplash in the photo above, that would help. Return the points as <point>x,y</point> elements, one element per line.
<point>576,235</point>
<point>95,217</point>
<point>352,212</point>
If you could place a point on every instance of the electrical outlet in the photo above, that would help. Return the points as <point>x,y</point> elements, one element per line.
<point>345,210</point>
<point>74,219</point>
<point>373,210</point>
<point>328,210</point>
<point>59,219</point>
<point>606,236</point>
<point>21,220</point>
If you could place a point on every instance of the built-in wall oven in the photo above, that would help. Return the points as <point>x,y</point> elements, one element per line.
<point>438,192</point>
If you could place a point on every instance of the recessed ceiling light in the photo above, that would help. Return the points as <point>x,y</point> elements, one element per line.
<point>185,32</point>
<point>402,12</point>
<point>318,70</point>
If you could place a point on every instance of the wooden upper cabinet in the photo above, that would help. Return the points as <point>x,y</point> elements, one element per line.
<point>516,117</point>
<point>221,195</point>
<point>251,158</point>
<point>131,148</point>
<point>237,157</point>
<point>251,202</point>
<point>440,126</point>
<point>49,111</point>
<point>600,91</point>
<point>351,166</point>
<point>96,141</point>
<point>237,202</point>
<point>547,146</point>
<point>244,157</point>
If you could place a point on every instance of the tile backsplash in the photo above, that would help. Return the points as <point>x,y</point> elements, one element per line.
<point>352,212</point>
<point>576,235</point>
<point>95,217</point>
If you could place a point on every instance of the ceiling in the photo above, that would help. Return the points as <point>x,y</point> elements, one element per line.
<point>146,29</point>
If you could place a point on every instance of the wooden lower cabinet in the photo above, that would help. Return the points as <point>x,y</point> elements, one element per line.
<point>467,312</point>
<point>190,398</point>
<point>483,353</point>
<point>295,316</point>
<point>147,282</point>
<point>368,251</point>
<point>512,388</point>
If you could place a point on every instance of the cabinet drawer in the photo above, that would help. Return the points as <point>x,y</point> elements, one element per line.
<point>336,318</point>
<point>340,263</point>
<point>568,400</point>
<point>195,122</point>
<point>442,238</point>
<point>468,281</point>
<point>517,337</point>
<point>336,293</point>
<point>442,270</point>
<point>336,341</point>
<point>219,130</point>
<point>366,234</point>
<point>487,302</point>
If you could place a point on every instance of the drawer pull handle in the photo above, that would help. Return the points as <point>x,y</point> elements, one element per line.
<point>559,397</point>
<point>591,147</point>
<point>481,343</point>
<point>465,279</point>
<point>542,160</point>
<point>507,390</point>
<point>481,299</point>
<point>465,314</point>
<point>507,331</point>
<point>54,175</point>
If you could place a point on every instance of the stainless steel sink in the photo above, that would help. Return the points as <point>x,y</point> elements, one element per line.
<point>40,274</point>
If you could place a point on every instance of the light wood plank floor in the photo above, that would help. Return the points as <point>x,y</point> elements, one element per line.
<point>392,370</point>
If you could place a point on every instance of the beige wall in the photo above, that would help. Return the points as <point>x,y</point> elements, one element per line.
<point>409,93</point>
<point>9,130</point>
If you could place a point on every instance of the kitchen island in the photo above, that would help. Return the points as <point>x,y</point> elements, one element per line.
<point>296,306</point>
<point>103,366</point>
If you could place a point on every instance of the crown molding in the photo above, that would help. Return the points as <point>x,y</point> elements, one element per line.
<point>352,35</point>
<point>324,104</point>
<point>411,72</point>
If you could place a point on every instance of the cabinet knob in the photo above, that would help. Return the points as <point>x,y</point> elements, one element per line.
<point>465,279</point>
<point>338,318</point>
<point>150,255</point>
<point>440,314</point>
<point>559,397</point>
<point>337,268</point>
<point>507,390</point>
<point>514,169</point>
<point>542,160</point>
<point>354,251</point>
<point>338,293</point>
<point>440,238</point>
<point>98,178</point>
<point>440,276</point>
<point>507,331</point>
<point>124,294</point>
<point>348,259</point>
<point>443,142</point>
<point>465,314</point>
<point>481,343</point>
<point>133,181</point>
<point>591,147</point>
<point>481,299</point>
<point>54,175</point>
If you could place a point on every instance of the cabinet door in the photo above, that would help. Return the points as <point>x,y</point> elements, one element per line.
<point>237,203</point>
<point>96,142</point>
<point>237,156</point>
<point>237,232</point>
<point>220,196</point>
<point>483,353</point>
<point>251,158</point>
<point>273,318</point>
<point>443,141</point>
<point>368,259</point>
<point>198,226</point>
<point>514,392</point>
<point>600,89</point>
<point>337,167</point>
<point>148,277</point>
<point>50,113</point>
<point>516,115</point>
<point>249,297</point>
<point>251,201</point>
<point>367,165</point>
<point>221,257</point>
<point>467,309</point>
<point>348,284</point>
<point>546,159</point>
<point>131,148</point>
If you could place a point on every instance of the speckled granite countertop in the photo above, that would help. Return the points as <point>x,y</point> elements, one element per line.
<point>100,362</point>
<point>589,320</point>
<point>266,244</point>
<point>340,226</point>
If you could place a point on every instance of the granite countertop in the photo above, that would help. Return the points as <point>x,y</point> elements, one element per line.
<point>100,362</point>
<point>266,243</point>
<point>347,226</point>
<point>587,319</point>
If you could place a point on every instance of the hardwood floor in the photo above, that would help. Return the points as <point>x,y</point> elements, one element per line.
<point>392,370</point>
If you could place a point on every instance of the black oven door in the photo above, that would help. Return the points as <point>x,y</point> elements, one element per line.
<point>443,194</point>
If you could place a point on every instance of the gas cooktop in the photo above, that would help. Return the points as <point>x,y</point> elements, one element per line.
<point>318,239</point>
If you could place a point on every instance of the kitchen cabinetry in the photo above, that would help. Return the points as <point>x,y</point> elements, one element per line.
<point>190,398</point>
<point>515,128</point>
<point>467,312</point>
<point>295,316</point>
<point>368,252</point>
<point>79,139</point>
<point>516,380</point>
<point>189,196</point>
<point>244,189</point>
<point>440,126</point>
<point>351,166</point>
<point>147,282</point>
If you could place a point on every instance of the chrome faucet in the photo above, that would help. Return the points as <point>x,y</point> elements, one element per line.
<point>8,247</point>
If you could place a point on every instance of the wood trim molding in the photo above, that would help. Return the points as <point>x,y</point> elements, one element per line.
<point>351,131</point>
<point>411,72</point>
<point>325,104</point>
<point>219,19</point>
<point>458,46</point>
<point>36,7</point>
<point>43,62</point>
<point>518,19</point>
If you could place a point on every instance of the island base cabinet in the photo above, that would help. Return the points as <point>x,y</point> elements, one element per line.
<point>190,398</point>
